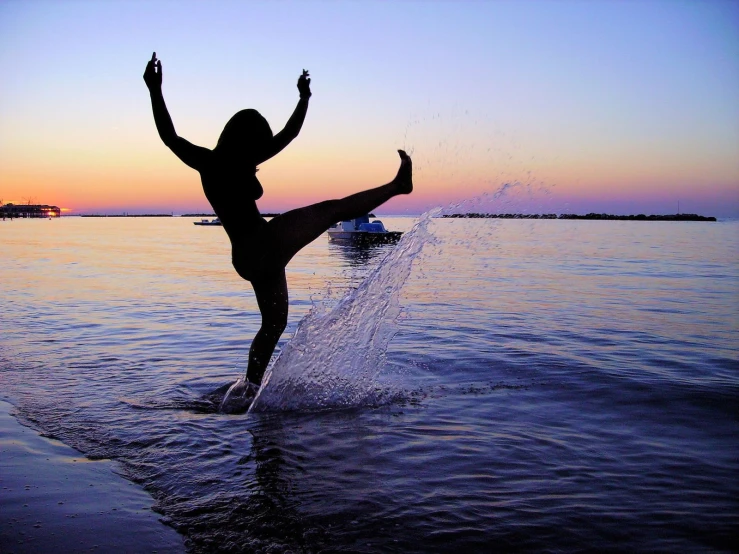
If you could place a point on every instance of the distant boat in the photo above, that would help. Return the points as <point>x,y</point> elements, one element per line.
<point>361,231</point>
<point>215,221</point>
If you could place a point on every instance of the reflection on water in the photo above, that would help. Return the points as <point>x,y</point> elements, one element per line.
<point>568,385</point>
<point>359,254</point>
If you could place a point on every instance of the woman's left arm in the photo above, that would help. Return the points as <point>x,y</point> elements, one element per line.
<point>295,123</point>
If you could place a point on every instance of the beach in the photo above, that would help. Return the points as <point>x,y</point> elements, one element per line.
<point>520,385</point>
<point>54,499</point>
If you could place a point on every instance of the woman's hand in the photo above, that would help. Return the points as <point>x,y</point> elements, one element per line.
<point>153,73</point>
<point>303,85</point>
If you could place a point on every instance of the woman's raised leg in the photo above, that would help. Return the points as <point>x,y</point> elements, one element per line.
<point>293,230</point>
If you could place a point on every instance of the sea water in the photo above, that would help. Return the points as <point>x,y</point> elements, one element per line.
<point>497,385</point>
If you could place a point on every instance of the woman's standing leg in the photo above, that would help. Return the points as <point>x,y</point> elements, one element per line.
<point>271,293</point>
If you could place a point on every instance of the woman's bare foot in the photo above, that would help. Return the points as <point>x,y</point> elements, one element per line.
<point>404,179</point>
<point>239,397</point>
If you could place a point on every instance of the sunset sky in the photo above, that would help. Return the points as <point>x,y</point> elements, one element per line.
<point>618,107</point>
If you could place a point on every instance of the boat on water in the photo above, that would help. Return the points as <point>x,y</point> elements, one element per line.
<point>215,221</point>
<point>362,231</point>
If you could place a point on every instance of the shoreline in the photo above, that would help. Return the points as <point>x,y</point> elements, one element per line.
<point>468,215</point>
<point>53,498</point>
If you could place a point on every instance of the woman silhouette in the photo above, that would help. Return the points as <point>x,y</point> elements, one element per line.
<point>261,249</point>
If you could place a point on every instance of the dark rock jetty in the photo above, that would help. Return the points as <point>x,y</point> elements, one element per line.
<point>609,217</point>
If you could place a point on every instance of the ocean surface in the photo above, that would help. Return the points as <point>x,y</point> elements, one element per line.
<point>485,385</point>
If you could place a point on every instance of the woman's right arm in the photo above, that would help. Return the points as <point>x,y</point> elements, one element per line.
<point>192,155</point>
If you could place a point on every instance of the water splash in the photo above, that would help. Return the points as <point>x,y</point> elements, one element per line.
<point>336,355</point>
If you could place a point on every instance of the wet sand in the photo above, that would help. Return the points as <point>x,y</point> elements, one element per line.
<point>53,499</point>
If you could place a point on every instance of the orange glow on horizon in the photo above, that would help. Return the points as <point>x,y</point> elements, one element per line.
<point>155,181</point>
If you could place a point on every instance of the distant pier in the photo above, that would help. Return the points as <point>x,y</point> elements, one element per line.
<point>39,211</point>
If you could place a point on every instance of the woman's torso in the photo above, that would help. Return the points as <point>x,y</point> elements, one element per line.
<point>233,194</point>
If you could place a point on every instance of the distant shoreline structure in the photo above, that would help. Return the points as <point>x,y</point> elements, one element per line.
<point>24,211</point>
<point>590,216</point>
<point>39,211</point>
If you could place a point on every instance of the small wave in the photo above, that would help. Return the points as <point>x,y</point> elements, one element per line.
<point>208,403</point>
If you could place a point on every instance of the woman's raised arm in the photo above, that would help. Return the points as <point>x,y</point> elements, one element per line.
<point>192,155</point>
<point>295,123</point>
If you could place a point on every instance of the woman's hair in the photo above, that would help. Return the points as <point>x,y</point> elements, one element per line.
<point>246,134</point>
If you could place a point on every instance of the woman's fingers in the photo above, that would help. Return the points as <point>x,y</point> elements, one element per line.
<point>152,63</point>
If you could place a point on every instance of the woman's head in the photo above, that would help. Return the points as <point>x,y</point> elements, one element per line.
<point>246,135</point>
